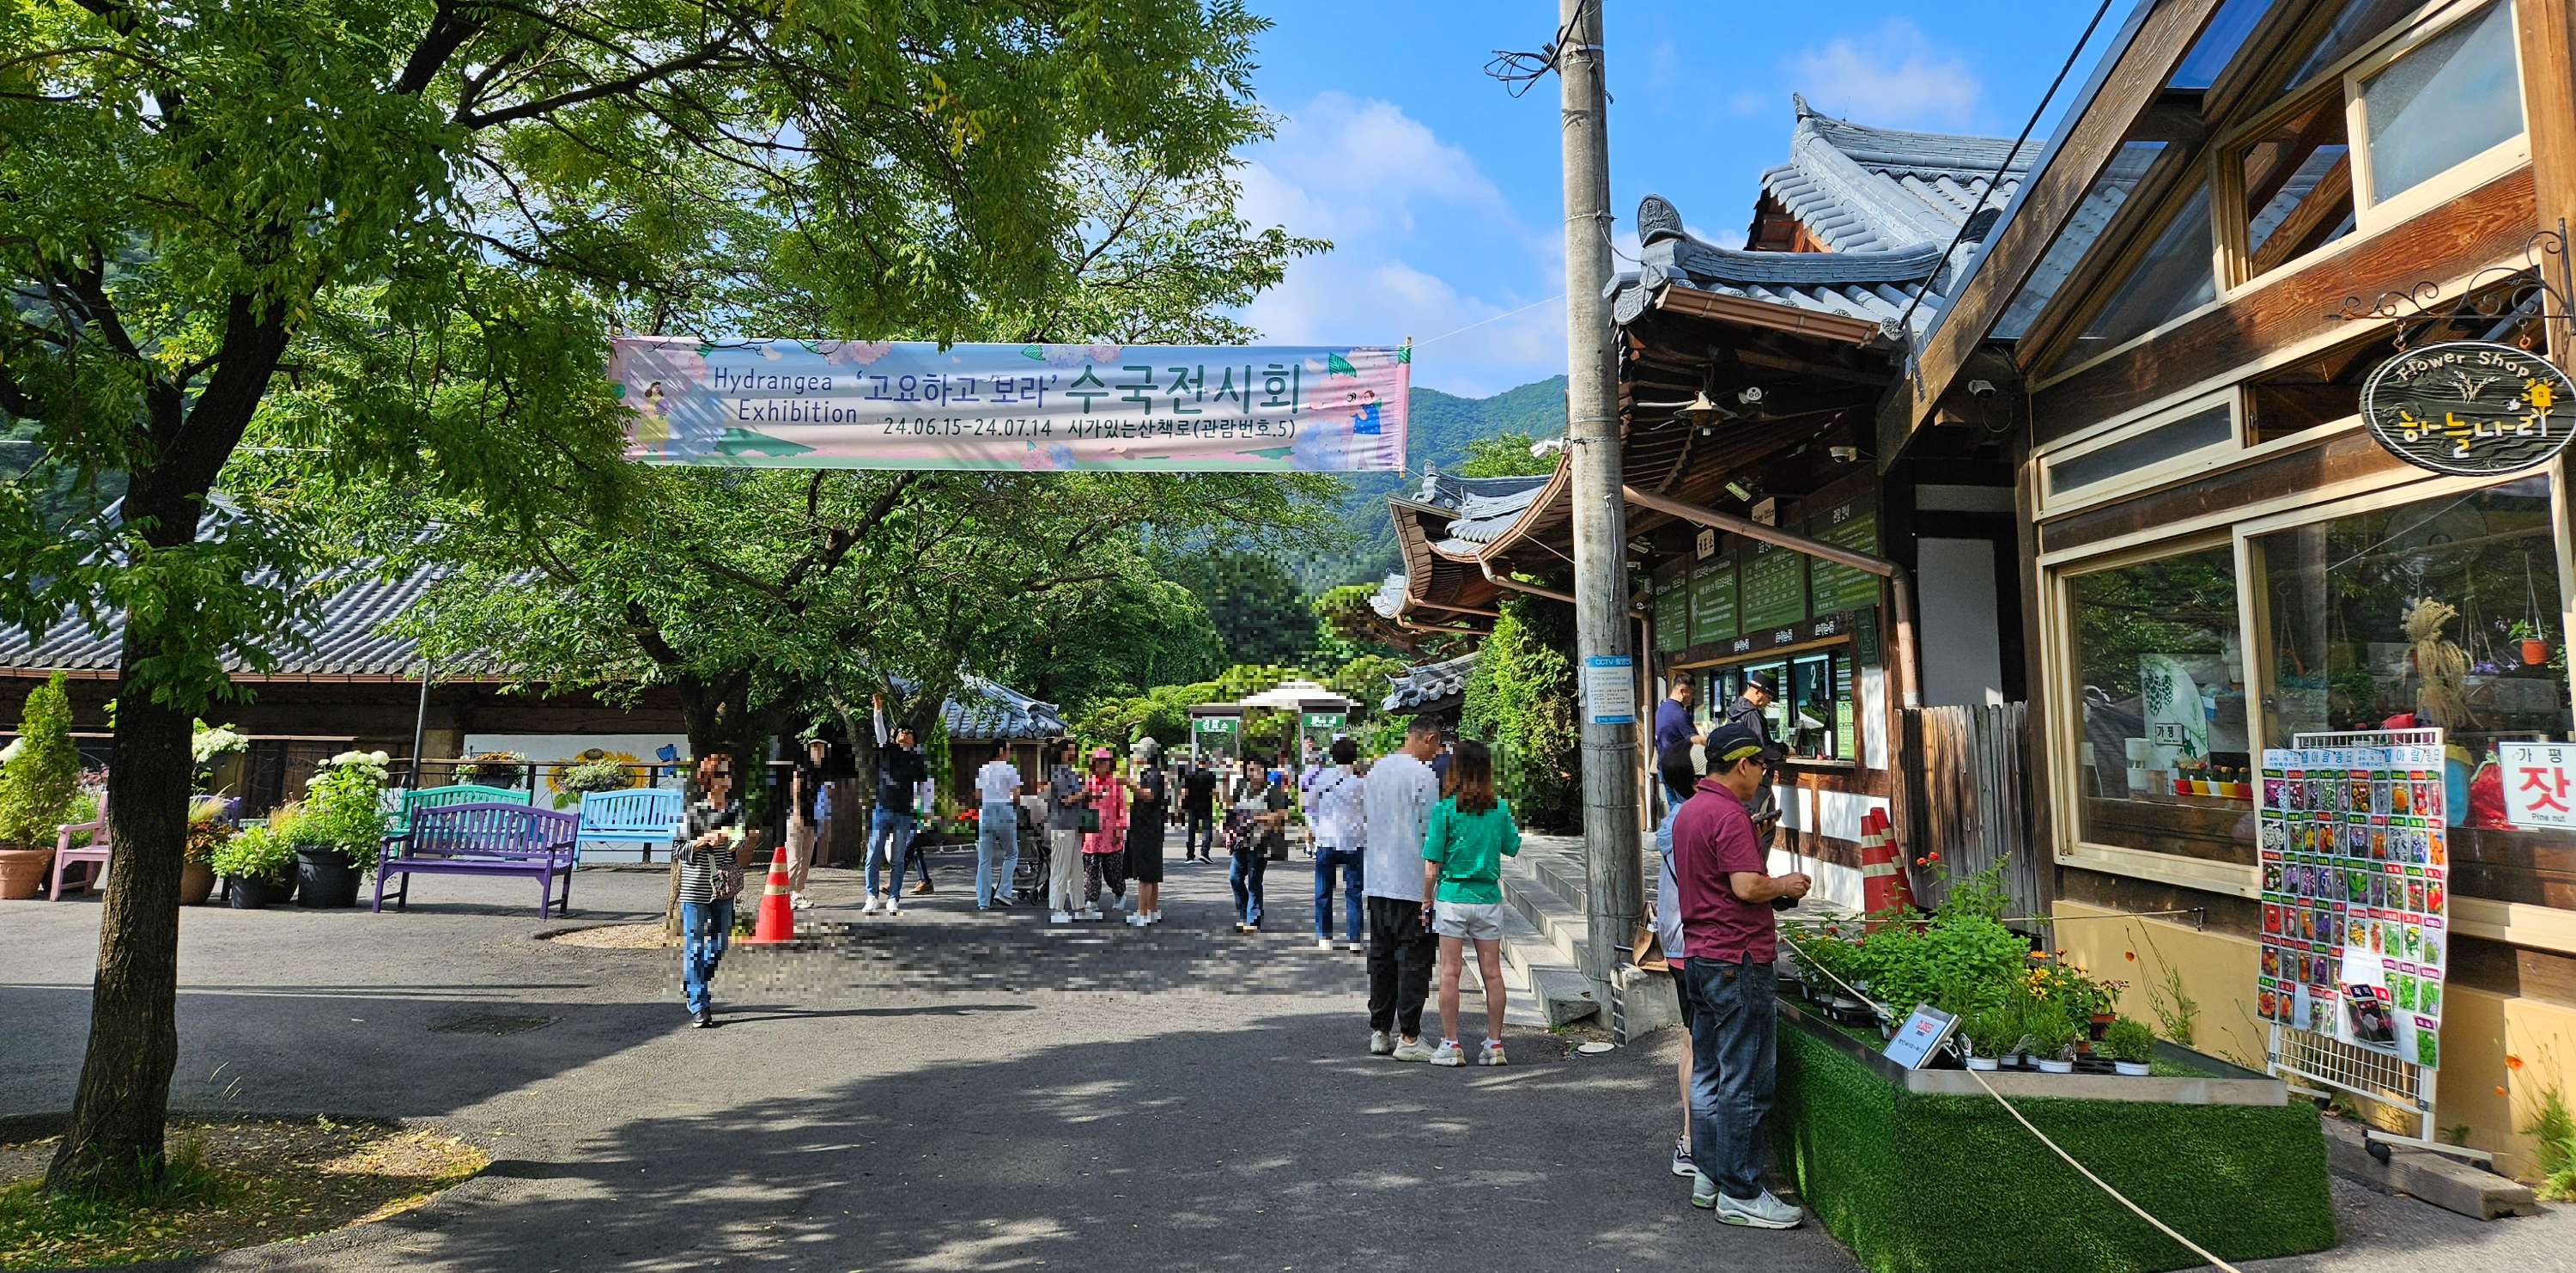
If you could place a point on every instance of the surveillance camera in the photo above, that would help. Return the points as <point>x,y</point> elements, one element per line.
<point>1981,388</point>
<point>1750,395</point>
<point>1546,447</point>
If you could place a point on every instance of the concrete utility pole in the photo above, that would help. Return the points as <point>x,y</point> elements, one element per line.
<point>1612,850</point>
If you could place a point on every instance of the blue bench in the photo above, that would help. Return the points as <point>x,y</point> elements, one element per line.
<point>412,802</point>
<point>644,816</point>
<point>483,839</point>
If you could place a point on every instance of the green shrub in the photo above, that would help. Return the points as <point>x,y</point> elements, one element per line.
<point>2052,1032</point>
<point>344,807</point>
<point>2553,1145</point>
<point>2130,1040</point>
<point>594,775</point>
<point>1992,1031</point>
<point>38,784</point>
<point>259,853</point>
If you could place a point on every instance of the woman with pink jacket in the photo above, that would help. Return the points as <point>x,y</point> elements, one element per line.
<point>1104,852</point>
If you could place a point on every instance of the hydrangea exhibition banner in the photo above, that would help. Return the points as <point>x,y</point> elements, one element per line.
<point>905,405</point>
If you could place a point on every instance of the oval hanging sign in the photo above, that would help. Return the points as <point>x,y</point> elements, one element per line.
<point>2471,407</point>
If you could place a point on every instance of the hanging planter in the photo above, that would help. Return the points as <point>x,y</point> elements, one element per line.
<point>2535,652</point>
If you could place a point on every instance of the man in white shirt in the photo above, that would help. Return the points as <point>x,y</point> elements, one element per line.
<point>1401,792</point>
<point>997,832</point>
<point>1336,809</point>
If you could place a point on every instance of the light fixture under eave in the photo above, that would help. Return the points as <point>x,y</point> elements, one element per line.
<point>1703,412</point>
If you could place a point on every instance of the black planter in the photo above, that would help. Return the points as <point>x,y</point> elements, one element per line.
<point>248,894</point>
<point>325,878</point>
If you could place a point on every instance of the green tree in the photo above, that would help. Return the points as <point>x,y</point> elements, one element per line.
<point>1363,680</point>
<point>39,782</point>
<point>1521,698</point>
<point>395,232</point>
<point>1504,455</point>
<point>1254,602</point>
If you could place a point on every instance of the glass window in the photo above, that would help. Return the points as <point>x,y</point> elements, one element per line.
<point>2340,653</point>
<point>2210,427</point>
<point>2172,279</point>
<point>2164,759</point>
<point>2109,194</point>
<point>2324,388</point>
<point>2360,22</point>
<point>2218,43</point>
<point>1812,718</point>
<point>2446,101</point>
<point>2298,186</point>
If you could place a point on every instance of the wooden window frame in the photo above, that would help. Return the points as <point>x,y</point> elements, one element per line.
<point>2191,462</point>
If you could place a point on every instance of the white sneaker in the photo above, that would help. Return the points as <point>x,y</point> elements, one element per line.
<point>1448,1053</point>
<point>1682,1165</point>
<point>871,907</point>
<point>893,907</point>
<point>1762,1212</point>
<point>1087,913</point>
<point>1703,1190</point>
<point>1414,1050</point>
<point>1323,943</point>
<point>799,901</point>
<point>1137,921</point>
<point>1381,1043</point>
<point>1357,948</point>
<point>1492,1054</point>
<point>1059,917</point>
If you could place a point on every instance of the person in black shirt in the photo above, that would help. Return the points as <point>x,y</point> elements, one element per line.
<point>1198,806</point>
<point>901,771</point>
<point>1761,689</point>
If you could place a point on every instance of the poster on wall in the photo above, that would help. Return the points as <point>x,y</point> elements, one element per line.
<point>1672,612</point>
<point>554,753</point>
<point>1852,524</point>
<point>2355,898</point>
<point>1774,587</point>
<point>1713,612</point>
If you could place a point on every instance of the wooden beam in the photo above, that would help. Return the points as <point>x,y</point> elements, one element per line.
<point>2548,36</point>
<point>2048,201</point>
<point>1822,371</point>
<point>1738,311</point>
<point>2487,226</point>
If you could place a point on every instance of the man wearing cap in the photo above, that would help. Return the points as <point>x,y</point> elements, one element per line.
<point>1726,981</point>
<point>1761,689</point>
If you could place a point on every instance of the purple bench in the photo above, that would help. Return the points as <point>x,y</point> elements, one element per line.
<point>483,839</point>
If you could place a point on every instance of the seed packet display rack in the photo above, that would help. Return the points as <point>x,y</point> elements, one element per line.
<point>2356,925</point>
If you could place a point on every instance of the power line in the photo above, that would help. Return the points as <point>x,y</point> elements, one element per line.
<point>1495,319</point>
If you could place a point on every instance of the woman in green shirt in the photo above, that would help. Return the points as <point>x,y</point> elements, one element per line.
<point>1470,834</point>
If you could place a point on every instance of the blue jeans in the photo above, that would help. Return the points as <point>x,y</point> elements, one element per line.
<point>1350,861</point>
<point>1246,879</point>
<point>707,928</point>
<point>997,844</point>
<point>1730,1008</point>
<point>889,839</point>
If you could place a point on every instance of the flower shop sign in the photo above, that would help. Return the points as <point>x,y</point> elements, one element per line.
<point>2470,407</point>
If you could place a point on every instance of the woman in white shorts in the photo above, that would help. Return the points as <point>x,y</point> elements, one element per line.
<point>1463,848</point>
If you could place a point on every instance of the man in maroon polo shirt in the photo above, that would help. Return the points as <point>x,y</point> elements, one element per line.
<point>1726,980</point>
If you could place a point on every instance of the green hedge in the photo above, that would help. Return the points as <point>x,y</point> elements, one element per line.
<point>1936,1184</point>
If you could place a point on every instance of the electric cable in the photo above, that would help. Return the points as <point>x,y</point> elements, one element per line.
<point>1996,181</point>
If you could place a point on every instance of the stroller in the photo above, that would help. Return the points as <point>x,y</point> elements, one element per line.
<point>1028,884</point>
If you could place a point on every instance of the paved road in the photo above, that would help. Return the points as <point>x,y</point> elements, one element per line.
<point>939,1091</point>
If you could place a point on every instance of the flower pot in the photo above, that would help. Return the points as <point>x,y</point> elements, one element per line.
<point>2200,786</point>
<point>23,872</point>
<point>196,883</point>
<point>249,894</point>
<point>2098,1023</point>
<point>2534,652</point>
<point>2056,1067</point>
<point>1981,1062</point>
<point>325,878</point>
<point>2134,1069</point>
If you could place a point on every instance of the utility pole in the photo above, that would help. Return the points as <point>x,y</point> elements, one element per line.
<point>1612,851</point>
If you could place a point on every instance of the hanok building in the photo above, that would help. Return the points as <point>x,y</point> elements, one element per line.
<point>2218,319</point>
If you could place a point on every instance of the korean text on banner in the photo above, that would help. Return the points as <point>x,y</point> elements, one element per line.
<point>902,405</point>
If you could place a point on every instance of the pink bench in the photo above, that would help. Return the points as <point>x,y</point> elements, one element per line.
<point>92,855</point>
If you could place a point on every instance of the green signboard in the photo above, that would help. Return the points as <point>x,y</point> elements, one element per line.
<point>1325,720</point>
<point>1774,586</point>
<point>1713,600</point>
<point>1672,611</point>
<point>1213,724</point>
<point>1835,587</point>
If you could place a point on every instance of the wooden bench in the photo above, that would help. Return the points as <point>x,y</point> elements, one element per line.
<point>92,855</point>
<point>412,802</point>
<point>488,838</point>
<point>644,816</point>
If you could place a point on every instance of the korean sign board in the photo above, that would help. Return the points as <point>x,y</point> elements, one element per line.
<point>2539,784</point>
<point>2470,407</point>
<point>905,405</point>
<point>2355,914</point>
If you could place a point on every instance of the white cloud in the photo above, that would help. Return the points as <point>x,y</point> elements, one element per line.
<point>1343,167</point>
<point>1371,297</point>
<point>1892,75</point>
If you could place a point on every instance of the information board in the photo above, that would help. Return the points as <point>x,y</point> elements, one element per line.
<point>1610,689</point>
<point>1713,610</point>
<point>1774,586</point>
<point>1673,611</point>
<point>1852,524</point>
<point>2539,784</point>
<point>2355,906</point>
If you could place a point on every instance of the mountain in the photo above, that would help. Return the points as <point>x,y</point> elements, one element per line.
<point>1439,427</point>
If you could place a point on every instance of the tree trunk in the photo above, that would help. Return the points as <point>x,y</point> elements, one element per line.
<point>118,1114</point>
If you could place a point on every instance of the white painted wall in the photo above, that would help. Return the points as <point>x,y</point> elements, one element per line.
<point>1962,652</point>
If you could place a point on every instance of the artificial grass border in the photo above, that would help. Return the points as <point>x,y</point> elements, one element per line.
<point>1923,1183</point>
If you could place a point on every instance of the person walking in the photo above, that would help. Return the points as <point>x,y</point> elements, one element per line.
<point>1149,797</point>
<point>1066,800</point>
<point>997,832</point>
<point>1104,848</point>
<point>1726,983</point>
<point>710,878</point>
<point>1198,807</point>
<point>804,785</point>
<point>1399,795</point>
<point>1260,814</point>
<point>1470,833</point>
<point>1337,808</point>
<point>901,771</point>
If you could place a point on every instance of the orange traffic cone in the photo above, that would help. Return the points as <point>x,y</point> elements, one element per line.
<point>777,914</point>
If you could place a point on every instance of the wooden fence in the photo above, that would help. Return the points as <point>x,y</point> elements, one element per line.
<point>1968,792</point>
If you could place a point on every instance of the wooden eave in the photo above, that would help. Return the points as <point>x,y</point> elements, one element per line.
<point>1746,312</point>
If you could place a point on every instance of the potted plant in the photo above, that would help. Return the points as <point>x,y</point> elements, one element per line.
<point>1989,1034</point>
<point>2535,646</point>
<point>39,781</point>
<point>593,775</point>
<point>503,769</point>
<point>260,862</point>
<point>2131,1045</point>
<point>342,827</point>
<point>207,831</point>
<point>2052,1038</point>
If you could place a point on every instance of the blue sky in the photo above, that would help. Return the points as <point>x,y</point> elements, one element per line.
<point>1441,192</point>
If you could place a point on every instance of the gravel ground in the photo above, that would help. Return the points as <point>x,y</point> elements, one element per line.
<point>944,1091</point>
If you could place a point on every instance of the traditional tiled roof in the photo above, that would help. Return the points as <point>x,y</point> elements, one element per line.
<point>1479,509</point>
<point>985,710</point>
<point>345,640</point>
<point>1428,683</point>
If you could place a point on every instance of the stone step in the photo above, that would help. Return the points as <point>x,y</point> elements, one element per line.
<point>1550,982</point>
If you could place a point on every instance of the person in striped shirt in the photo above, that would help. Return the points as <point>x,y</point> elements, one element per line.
<point>710,877</point>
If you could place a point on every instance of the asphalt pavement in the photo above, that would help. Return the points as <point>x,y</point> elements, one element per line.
<point>942,1090</point>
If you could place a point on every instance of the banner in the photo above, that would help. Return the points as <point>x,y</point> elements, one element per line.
<point>889,405</point>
